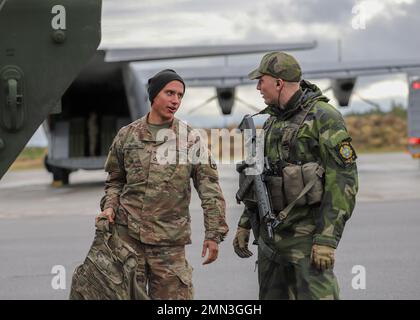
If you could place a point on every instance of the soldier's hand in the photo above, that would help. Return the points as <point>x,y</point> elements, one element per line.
<point>323,257</point>
<point>213,248</point>
<point>240,243</point>
<point>107,213</point>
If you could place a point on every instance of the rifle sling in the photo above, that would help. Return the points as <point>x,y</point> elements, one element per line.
<point>289,137</point>
<point>285,212</point>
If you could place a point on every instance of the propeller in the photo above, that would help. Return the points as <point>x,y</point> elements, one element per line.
<point>202,104</point>
<point>365,100</point>
<point>369,102</point>
<point>243,102</point>
<point>248,105</point>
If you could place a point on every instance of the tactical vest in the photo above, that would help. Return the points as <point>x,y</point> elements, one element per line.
<point>289,182</point>
<point>288,134</point>
<point>301,183</point>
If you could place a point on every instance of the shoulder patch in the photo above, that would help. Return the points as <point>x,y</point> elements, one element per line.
<point>346,152</point>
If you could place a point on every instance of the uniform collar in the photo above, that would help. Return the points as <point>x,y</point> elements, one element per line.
<point>291,106</point>
<point>144,132</point>
<point>292,103</point>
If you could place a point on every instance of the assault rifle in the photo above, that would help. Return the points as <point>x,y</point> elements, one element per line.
<point>256,179</point>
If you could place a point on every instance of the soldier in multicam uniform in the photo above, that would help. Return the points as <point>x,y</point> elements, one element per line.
<point>148,200</point>
<point>297,263</point>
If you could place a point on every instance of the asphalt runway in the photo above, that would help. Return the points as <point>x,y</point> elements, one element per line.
<point>42,227</point>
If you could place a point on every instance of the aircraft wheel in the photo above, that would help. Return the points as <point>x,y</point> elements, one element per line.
<point>60,176</point>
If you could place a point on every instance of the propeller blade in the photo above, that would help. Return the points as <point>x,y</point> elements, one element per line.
<point>369,102</point>
<point>246,104</point>
<point>203,104</point>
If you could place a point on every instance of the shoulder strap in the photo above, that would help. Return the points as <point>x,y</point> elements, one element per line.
<point>290,132</point>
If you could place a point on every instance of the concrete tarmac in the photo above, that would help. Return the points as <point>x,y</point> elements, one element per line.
<point>42,227</point>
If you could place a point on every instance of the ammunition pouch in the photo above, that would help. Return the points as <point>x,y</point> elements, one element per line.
<point>293,184</point>
<point>310,176</point>
<point>313,171</point>
<point>109,270</point>
<point>297,177</point>
<point>275,189</point>
<point>299,185</point>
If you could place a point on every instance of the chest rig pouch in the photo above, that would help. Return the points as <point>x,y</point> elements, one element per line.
<point>301,184</point>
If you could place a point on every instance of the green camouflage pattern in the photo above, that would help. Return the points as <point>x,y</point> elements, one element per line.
<point>153,198</point>
<point>162,271</point>
<point>318,140</point>
<point>109,270</point>
<point>279,65</point>
<point>296,278</point>
<point>322,138</point>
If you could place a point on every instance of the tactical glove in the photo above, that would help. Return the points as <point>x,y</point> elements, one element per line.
<point>322,257</point>
<point>240,243</point>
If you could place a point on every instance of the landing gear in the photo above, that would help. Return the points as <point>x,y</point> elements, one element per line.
<point>60,175</point>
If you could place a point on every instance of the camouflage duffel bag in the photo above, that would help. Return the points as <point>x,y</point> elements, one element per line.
<point>109,270</point>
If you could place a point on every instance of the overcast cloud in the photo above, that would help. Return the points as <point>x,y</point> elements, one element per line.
<point>390,26</point>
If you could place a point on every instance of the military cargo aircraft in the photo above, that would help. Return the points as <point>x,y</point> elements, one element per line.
<point>110,91</point>
<point>342,76</point>
<point>43,47</point>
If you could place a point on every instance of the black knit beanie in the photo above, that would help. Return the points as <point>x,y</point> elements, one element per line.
<point>161,79</point>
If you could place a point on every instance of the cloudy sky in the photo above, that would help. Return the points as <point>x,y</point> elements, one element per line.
<point>370,29</point>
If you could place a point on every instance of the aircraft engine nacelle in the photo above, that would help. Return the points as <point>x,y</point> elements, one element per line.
<point>226,99</point>
<point>342,89</point>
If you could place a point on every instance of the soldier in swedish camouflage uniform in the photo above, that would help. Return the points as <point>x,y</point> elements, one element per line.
<point>149,199</point>
<point>297,263</point>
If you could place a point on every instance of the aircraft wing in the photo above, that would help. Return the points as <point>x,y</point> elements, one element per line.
<point>205,76</point>
<point>150,54</point>
<point>220,76</point>
<point>349,69</point>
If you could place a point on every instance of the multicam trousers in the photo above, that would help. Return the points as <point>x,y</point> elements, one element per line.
<point>162,271</point>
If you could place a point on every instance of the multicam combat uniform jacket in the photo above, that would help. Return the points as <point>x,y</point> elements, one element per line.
<point>322,138</point>
<point>153,198</point>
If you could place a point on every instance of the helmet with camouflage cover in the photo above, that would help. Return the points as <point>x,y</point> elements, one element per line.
<point>279,65</point>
